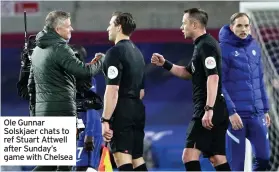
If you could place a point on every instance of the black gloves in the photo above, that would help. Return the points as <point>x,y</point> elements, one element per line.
<point>88,143</point>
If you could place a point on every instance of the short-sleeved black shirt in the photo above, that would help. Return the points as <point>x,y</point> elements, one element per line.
<point>124,66</point>
<point>206,61</point>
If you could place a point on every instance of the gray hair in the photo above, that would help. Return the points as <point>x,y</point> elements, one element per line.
<point>56,18</point>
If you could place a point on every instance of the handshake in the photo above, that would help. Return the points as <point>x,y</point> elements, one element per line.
<point>98,57</point>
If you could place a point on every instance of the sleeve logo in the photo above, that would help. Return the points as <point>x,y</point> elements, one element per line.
<point>112,72</point>
<point>254,52</point>
<point>210,63</point>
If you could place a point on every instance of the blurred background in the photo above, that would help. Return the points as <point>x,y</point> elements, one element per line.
<point>168,99</point>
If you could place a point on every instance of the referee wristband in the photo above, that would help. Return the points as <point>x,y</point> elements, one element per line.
<point>167,65</point>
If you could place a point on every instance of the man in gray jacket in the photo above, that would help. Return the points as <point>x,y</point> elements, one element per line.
<point>54,68</point>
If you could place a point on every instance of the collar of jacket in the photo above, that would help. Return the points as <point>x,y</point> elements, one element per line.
<point>48,37</point>
<point>52,31</point>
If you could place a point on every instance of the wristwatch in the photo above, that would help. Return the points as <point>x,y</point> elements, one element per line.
<point>105,120</point>
<point>207,108</point>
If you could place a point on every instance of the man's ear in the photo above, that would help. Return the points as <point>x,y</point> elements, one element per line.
<point>56,29</point>
<point>195,24</point>
<point>231,27</point>
<point>119,28</point>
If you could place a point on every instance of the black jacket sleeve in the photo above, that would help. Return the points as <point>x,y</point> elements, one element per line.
<point>32,93</point>
<point>24,73</point>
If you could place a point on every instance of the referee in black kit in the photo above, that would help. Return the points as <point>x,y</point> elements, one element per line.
<point>207,129</point>
<point>123,118</point>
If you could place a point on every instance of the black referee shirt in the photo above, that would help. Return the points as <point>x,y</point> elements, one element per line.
<point>206,61</point>
<point>124,66</point>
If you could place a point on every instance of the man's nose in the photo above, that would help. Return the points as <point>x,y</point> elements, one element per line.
<point>243,29</point>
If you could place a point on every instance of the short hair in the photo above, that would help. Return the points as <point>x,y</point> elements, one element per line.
<point>236,16</point>
<point>56,18</point>
<point>126,21</point>
<point>198,14</point>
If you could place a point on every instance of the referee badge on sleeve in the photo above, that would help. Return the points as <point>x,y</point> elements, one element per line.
<point>210,63</point>
<point>112,72</point>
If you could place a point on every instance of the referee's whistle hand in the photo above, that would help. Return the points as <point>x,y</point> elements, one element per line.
<point>157,59</point>
<point>236,122</point>
<point>207,120</point>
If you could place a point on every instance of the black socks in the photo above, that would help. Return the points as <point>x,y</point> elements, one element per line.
<point>142,167</point>
<point>126,167</point>
<point>193,166</point>
<point>223,167</point>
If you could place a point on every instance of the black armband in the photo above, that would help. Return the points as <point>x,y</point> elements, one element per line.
<point>167,65</point>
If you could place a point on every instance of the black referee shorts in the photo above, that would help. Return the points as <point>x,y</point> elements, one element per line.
<point>128,122</point>
<point>209,142</point>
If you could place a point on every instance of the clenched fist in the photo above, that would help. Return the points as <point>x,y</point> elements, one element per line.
<point>157,59</point>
